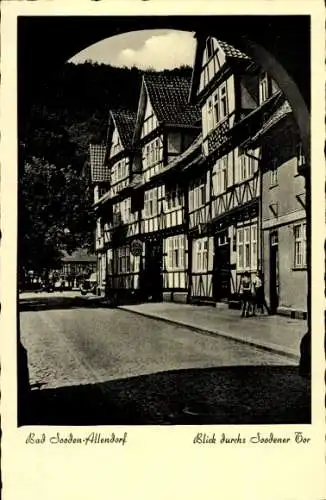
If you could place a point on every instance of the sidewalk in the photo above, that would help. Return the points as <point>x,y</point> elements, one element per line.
<point>277,334</point>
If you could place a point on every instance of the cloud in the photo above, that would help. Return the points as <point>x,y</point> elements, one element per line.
<point>166,51</point>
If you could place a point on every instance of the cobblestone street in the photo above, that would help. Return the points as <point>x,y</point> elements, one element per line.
<point>90,365</point>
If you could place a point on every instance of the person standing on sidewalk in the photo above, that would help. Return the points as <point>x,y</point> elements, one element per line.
<point>245,290</point>
<point>259,294</point>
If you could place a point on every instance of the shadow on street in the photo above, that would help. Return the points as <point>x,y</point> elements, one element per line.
<point>228,395</point>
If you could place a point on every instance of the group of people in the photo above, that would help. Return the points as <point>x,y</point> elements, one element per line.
<point>252,294</point>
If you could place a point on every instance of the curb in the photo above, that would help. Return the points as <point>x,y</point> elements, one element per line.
<point>274,348</point>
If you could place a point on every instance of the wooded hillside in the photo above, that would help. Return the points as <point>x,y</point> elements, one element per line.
<point>56,126</point>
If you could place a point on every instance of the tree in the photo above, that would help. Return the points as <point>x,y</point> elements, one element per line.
<point>54,214</point>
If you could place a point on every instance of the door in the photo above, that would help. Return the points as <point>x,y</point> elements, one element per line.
<point>221,270</point>
<point>273,272</point>
<point>153,270</point>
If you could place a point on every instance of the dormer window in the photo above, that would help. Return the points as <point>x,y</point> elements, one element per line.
<point>217,107</point>
<point>264,87</point>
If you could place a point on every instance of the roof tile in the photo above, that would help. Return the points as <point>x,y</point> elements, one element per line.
<point>169,98</point>
<point>125,121</point>
<point>231,51</point>
<point>99,172</point>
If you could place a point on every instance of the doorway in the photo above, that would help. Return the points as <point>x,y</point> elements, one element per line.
<point>221,269</point>
<point>153,279</point>
<point>273,272</point>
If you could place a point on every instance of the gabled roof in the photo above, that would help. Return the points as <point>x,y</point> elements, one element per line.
<point>169,98</point>
<point>231,54</point>
<point>168,95</point>
<point>124,120</point>
<point>99,172</point>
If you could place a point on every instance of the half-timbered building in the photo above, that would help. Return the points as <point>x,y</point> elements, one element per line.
<point>100,177</point>
<point>166,127</point>
<point>225,191</point>
<point>117,219</point>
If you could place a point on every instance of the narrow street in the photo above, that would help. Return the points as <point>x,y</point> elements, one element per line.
<point>101,365</point>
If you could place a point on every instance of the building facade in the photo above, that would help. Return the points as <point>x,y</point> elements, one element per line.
<point>283,213</point>
<point>206,186</point>
<point>225,192</point>
<point>75,268</point>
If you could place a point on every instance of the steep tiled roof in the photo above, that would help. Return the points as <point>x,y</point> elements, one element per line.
<point>125,121</point>
<point>231,51</point>
<point>169,98</point>
<point>99,172</point>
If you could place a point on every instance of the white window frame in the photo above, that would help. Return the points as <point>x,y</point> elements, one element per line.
<point>151,203</point>
<point>199,193</point>
<point>223,102</point>
<point>175,258</point>
<point>300,245</point>
<point>247,247</point>
<point>274,174</point>
<point>152,153</point>
<point>201,253</point>
<point>210,115</point>
<point>221,170</point>
<point>219,104</point>
<point>246,167</point>
<point>173,199</point>
<point>123,260</point>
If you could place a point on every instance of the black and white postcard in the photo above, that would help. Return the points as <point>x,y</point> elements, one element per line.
<point>163,230</point>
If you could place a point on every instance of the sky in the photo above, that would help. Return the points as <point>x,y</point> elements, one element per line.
<point>155,49</point>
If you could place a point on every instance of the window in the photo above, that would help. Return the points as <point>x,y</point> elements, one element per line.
<point>254,245</point>
<point>202,255</point>
<point>210,118</point>
<point>221,175</point>
<point>152,153</point>
<point>223,102</point>
<point>264,87</point>
<point>123,260</point>
<point>216,108</point>
<point>300,156</point>
<point>176,252</point>
<point>247,166</point>
<point>174,198</point>
<point>299,231</point>
<point>119,171</point>
<point>209,47</point>
<point>199,194</point>
<point>247,247</point>
<point>274,174</point>
<point>125,210</point>
<point>150,203</point>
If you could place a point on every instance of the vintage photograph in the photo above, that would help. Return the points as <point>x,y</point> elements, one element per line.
<point>164,220</point>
